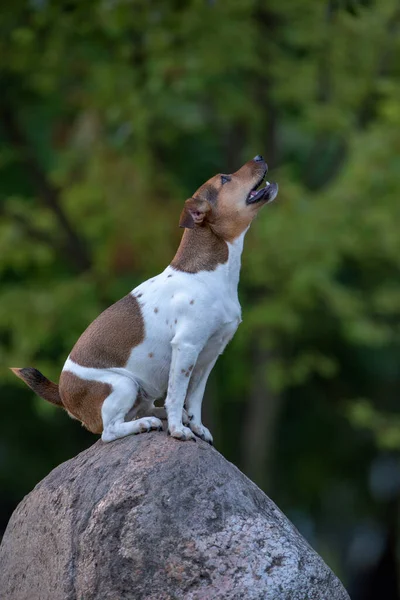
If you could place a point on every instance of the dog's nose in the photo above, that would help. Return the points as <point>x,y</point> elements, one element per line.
<point>258,158</point>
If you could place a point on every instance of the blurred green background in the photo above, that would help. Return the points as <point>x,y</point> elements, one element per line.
<point>112,113</point>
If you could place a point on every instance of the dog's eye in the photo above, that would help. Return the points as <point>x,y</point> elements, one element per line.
<point>225,178</point>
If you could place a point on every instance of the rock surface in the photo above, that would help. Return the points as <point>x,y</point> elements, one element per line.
<point>151,518</point>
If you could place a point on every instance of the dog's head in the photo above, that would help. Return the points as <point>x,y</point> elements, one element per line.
<point>229,203</point>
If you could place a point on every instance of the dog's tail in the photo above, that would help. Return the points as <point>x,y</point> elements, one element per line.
<point>42,386</point>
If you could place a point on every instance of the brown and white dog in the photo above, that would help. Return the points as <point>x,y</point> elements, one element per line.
<point>165,336</point>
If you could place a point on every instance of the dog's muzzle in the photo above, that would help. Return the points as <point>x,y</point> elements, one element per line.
<point>266,193</point>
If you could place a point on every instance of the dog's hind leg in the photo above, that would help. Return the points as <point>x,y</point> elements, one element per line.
<point>115,408</point>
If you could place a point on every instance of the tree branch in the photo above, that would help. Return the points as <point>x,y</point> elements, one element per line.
<point>75,247</point>
<point>371,98</point>
<point>30,230</point>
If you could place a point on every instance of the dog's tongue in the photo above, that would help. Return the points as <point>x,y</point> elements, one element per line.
<point>255,192</point>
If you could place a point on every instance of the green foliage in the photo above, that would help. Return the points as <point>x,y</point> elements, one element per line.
<point>385,427</point>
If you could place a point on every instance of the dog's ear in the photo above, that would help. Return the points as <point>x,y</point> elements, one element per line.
<point>194,212</point>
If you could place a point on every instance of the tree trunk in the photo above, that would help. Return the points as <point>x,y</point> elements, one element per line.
<point>264,408</point>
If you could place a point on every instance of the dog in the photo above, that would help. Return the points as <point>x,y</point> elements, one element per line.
<point>165,336</point>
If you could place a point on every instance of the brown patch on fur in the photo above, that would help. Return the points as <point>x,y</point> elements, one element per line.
<point>228,213</point>
<point>84,399</point>
<point>216,214</point>
<point>232,214</point>
<point>200,250</point>
<point>187,371</point>
<point>209,191</point>
<point>232,222</point>
<point>151,355</point>
<point>108,341</point>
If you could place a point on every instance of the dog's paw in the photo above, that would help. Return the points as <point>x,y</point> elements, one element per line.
<point>202,432</point>
<point>181,433</point>
<point>146,424</point>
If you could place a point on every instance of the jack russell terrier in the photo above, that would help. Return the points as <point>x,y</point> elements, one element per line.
<point>165,336</point>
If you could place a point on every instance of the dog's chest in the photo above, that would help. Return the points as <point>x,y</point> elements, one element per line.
<point>175,301</point>
<point>201,308</point>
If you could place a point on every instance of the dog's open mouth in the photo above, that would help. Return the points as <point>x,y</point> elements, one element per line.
<point>266,193</point>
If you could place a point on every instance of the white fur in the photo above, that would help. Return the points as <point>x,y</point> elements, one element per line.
<point>189,318</point>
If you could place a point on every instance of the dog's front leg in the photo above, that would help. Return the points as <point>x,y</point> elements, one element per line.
<point>184,357</point>
<point>194,400</point>
<point>205,363</point>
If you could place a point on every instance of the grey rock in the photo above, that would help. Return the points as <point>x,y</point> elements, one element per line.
<point>151,518</point>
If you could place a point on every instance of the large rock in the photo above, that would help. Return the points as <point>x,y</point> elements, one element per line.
<point>149,517</point>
